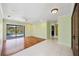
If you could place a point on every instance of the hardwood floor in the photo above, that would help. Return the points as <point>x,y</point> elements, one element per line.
<point>31,40</point>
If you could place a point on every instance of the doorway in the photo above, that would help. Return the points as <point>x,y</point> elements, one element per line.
<point>52,31</point>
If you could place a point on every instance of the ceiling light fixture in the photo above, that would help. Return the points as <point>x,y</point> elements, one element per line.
<point>54,11</point>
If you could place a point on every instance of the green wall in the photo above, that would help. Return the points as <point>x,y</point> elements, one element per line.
<point>28,29</point>
<point>48,30</point>
<point>40,30</point>
<point>1,35</point>
<point>64,30</point>
<point>1,29</point>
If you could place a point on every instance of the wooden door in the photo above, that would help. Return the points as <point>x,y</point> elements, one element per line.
<point>75,30</point>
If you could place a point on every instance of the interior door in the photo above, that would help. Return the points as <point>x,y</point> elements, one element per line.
<point>75,34</point>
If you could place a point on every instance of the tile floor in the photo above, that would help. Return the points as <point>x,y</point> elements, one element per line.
<point>46,48</point>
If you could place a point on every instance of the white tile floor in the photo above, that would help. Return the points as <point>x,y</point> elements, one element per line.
<point>46,48</point>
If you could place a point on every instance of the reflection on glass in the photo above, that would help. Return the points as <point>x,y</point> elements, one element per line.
<point>14,31</point>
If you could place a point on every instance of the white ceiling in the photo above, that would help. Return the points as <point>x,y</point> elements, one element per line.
<point>36,12</point>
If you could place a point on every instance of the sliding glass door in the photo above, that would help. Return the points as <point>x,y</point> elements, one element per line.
<point>14,38</point>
